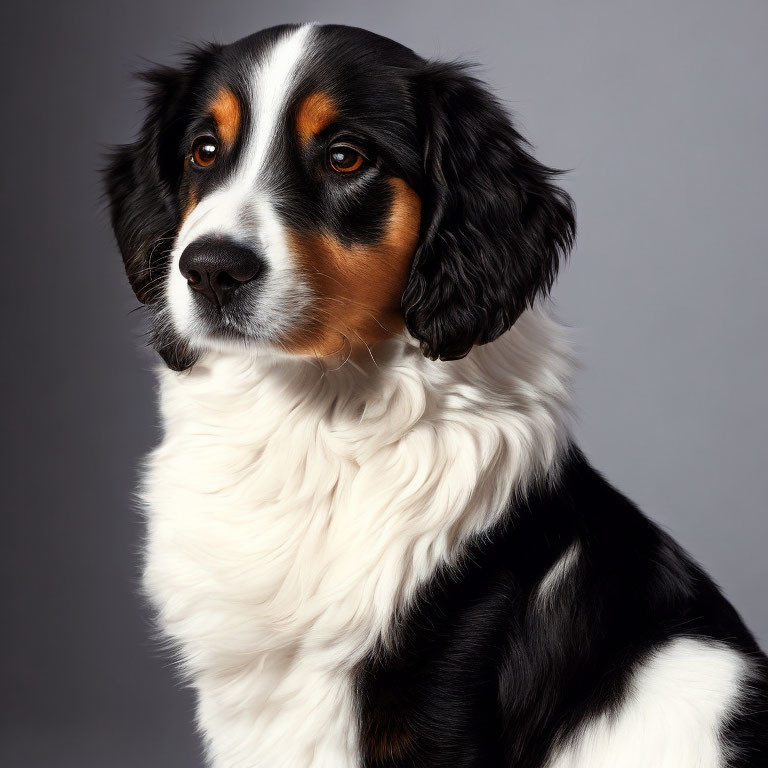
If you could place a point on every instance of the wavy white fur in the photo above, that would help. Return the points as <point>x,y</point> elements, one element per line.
<point>294,508</point>
<point>678,701</point>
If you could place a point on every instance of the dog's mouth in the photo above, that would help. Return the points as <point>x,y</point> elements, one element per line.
<point>230,322</point>
<point>229,332</point>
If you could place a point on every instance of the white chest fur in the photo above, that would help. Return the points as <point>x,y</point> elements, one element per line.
<point>292,509</point>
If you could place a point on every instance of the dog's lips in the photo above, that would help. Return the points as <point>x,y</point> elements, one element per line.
<point>221,321</point>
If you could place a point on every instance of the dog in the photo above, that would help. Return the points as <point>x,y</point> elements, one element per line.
<point>371,538</point>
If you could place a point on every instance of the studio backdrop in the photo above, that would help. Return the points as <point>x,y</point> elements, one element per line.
<point>658,111</point>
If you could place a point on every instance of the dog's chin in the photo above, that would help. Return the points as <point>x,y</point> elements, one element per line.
<point>222,331</point>
<point>228,337</point>
<point>231,327</point>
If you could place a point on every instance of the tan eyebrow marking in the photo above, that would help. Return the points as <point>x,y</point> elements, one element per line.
<point>316,112</point>
<point>225,109</point>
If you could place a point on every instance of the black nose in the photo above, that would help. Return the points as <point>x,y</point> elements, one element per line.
<point>217,267</point>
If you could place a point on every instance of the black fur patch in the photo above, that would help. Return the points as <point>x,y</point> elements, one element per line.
<point>485,673</point>
<point>143,181</point>
<point>496,226</point>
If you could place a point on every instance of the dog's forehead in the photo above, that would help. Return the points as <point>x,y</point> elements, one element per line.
<point>271,93</point>
<point>328,46</point>
<point>354,68</point>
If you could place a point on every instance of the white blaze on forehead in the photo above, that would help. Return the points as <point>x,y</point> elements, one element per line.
<point>242,209</point>
<point>271,82</point>
<point>271,90</point>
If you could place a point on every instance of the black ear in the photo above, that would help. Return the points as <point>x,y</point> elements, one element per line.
<point>495,226</point>
<point>141,181</point>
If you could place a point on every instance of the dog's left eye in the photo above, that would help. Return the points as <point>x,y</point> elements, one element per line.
<point>204,151</point>
<point>345,159</point>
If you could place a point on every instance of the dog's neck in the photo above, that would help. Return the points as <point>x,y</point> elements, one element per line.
<point>511,396</point>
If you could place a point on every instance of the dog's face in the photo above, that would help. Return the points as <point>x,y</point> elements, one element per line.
<point>318,189</point>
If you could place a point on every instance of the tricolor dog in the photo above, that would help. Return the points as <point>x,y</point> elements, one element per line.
<point>371,538</point>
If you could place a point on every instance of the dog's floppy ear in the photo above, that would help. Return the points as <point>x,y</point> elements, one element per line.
<point>141,178</point>
<point>141,181</point>
<point>138,183</point>
<point>495,225</point>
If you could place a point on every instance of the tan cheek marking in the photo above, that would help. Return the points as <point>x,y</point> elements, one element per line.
<point>358,289</point>
<point>225,109</point>
<point>315,114</point>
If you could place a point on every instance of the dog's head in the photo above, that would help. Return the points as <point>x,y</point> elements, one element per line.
<point>316,188</point>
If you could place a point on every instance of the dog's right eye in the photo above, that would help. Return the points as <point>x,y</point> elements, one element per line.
<point>204,150</point>
<point>343,158</point>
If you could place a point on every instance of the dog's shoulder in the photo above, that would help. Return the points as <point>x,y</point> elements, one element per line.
<point>565,631</point>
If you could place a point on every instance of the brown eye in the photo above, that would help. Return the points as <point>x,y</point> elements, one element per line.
<point>344,159</point>
<point>204,151</point>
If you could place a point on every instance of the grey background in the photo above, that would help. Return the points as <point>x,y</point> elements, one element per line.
<point>658,107</point>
